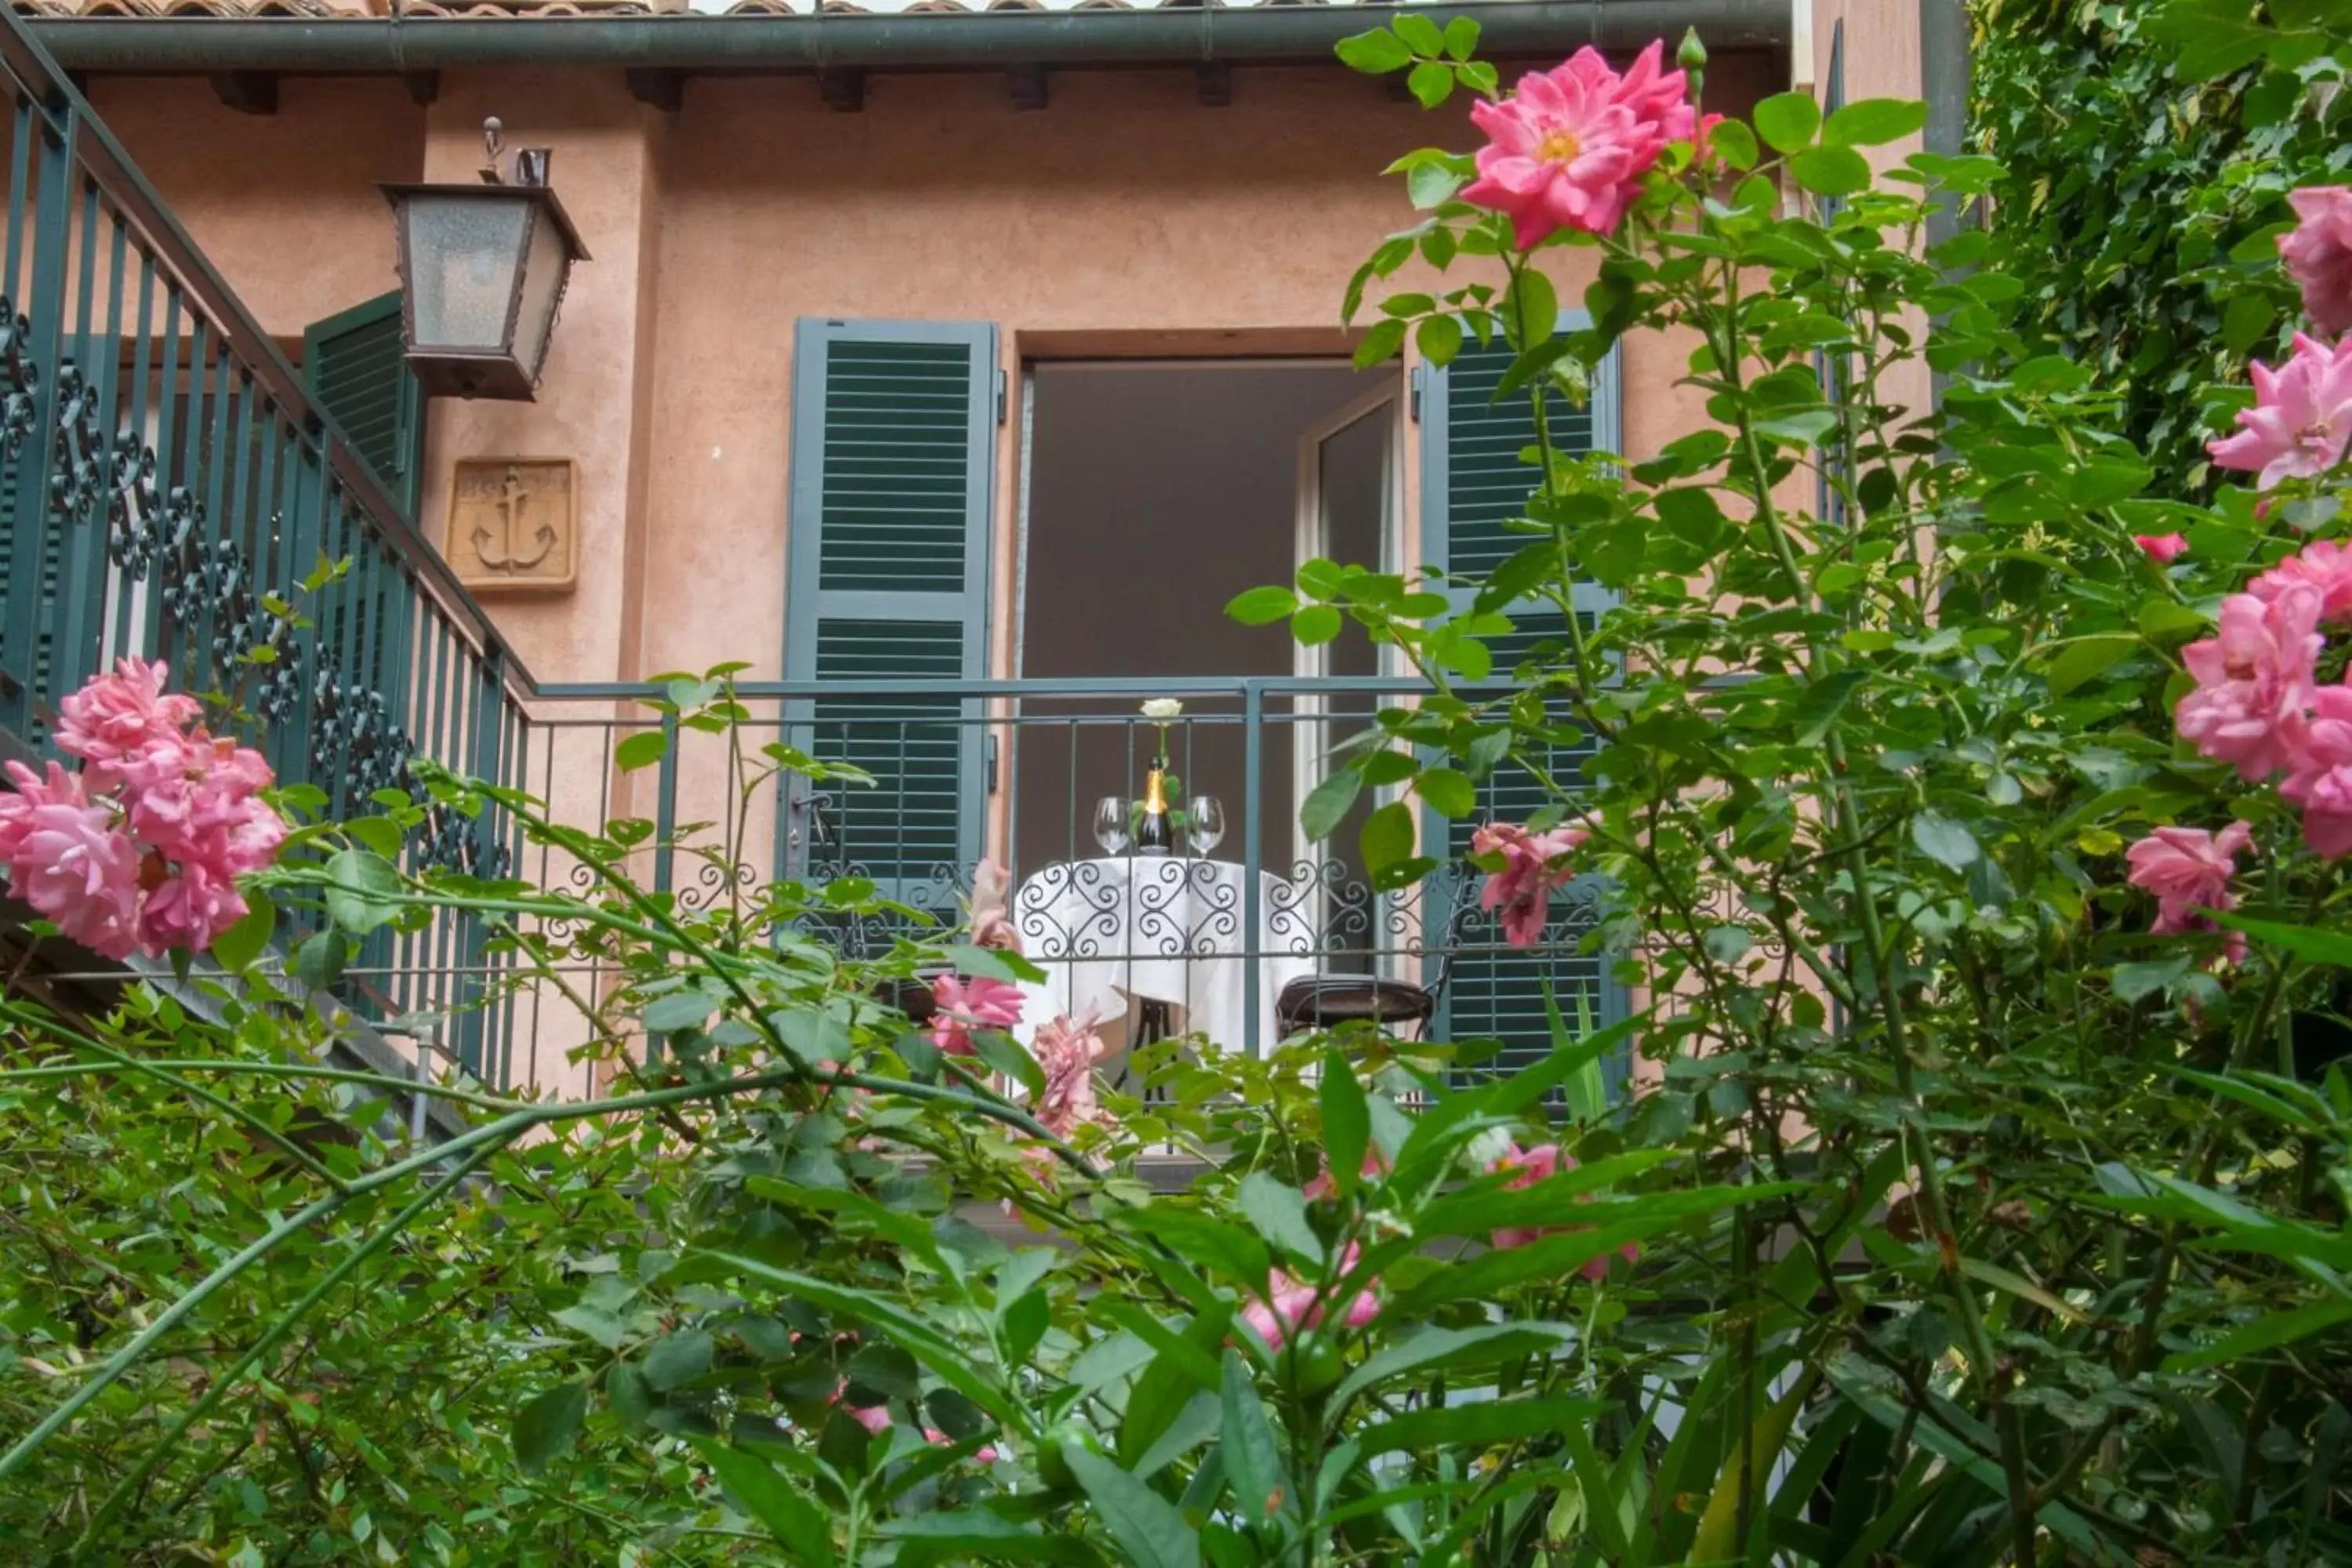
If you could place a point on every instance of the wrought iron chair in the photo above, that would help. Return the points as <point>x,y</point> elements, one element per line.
<point>1325,1001</point>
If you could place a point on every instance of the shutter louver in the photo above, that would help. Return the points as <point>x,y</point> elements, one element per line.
<point>893,432</point>
<point>355,365</point>
<point>1478,476</point>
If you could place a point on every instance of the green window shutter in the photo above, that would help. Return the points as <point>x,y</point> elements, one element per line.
<point>894,432</point>
<point>353,363</point>
<point>1477,475</point>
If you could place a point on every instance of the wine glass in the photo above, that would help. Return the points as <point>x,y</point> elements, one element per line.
<point>1204,823</point>
<point>1111,829</point>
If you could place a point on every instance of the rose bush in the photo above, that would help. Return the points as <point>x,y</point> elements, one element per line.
<point>1972,811</point>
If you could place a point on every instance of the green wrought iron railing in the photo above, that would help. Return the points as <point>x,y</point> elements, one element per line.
<point>167,488</point>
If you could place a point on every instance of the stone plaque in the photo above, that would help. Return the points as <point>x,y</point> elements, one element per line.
<point>513,524</point>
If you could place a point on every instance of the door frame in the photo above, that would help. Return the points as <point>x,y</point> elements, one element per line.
<point>1310,539</point>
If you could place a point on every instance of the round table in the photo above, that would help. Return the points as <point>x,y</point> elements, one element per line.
<point>1167,929</point>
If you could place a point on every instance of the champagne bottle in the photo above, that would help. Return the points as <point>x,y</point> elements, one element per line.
<point>1156,834</point>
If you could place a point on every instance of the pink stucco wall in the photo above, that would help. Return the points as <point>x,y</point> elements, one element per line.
<point>284,205</point>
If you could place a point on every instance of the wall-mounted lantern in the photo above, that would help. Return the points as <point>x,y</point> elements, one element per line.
<point>483,270</point>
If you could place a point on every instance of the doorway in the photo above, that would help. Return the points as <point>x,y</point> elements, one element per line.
<point>1154,493</point>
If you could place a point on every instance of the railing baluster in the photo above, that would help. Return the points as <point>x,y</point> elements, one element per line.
<point>129,586</point>
<point>31,535</point>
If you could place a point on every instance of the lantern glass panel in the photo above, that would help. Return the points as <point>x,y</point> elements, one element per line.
<point>463,252</point>
<point>542,283</point>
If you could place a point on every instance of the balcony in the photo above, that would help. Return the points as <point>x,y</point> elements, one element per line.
<point>170,488</point>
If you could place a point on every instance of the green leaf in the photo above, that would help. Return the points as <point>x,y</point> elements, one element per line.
<point>319,959</point>
<point>2265,1333</point>
<point>1831,171</point>
<point>2328,947</point>
<point>1944,841</point>
<point>1824,700</point>
<point>679,1358</point>
<point>632,1402</point>
<point>1531,311</point>
<point>1347,1120</point>
<point>1439,338</point>
<point>796,1522</point>
<point>548,1424</point>
<point>604,1327</point>
<point>235,948</point>
<point>641,750</point>
<point>1007,1056</point>
<point>1262,607</point>
<point>1260,1483</point>
<point>1387,838</point>
<point>975,1535</point>
<point>1788,121</point>
<point>1434,1348</point>
<point>1430,82</point>
<point>1147,1526</point>
<point>1315,624</point>
<point>381,834</point>
<point>1419,34</point>
<point>2133,981</point>
<point>676,1010</point>
<point>1874,122</point>
<point>1279,1212</point>
<point>1462,37</point>
<point>1446,792</point>
<point>2082,660</point>
<point>364,884</point>
<point>1374,53</point>
<point>1476,1425</point>
<point>2249,318</point>
<point>1799,426</point>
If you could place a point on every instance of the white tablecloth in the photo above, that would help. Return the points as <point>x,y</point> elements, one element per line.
<point>1164,928</point>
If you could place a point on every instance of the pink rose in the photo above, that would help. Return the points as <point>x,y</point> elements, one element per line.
<point>992,922</point>
<point>118,719</point>
<point>1569,148</point>
<point>2164,549</point>
<point>1324,1187</point>
<point>2318,254</point>
<point>1067,1050</point>
<point>2301,420</point>
<point>2189,871</point>
<point>179,818</point>
<point>189,908</point>
<point>1529,1166</point>
<point>2320,780</point>
<point>1521,890</point>
<point>2322,565</point>
<point>2253,681</point>
<point>67,860</point>
<point>1290,1305</point>
<point>964,1005</point>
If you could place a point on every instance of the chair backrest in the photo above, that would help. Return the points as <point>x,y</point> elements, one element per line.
<point>828,860</point>
<point>1460,899</point>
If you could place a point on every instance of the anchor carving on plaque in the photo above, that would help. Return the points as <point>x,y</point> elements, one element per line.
<point>511,524</point>
<point>514,496</point>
